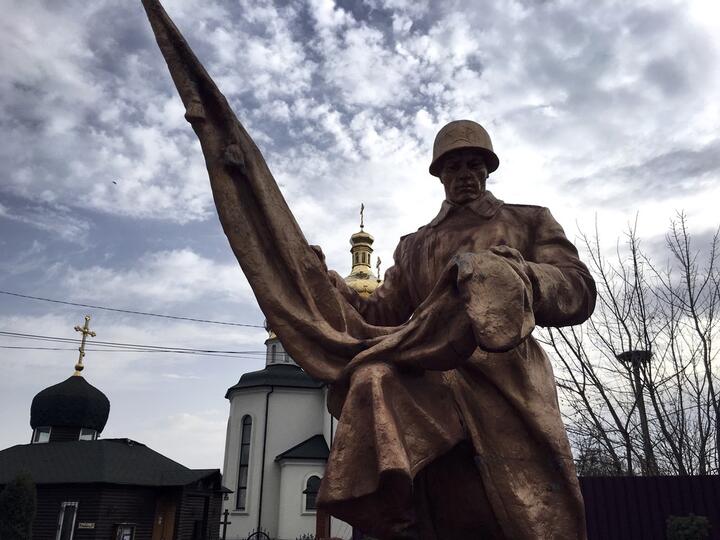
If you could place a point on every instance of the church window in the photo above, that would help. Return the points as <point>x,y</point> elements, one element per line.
<point>124,532</point>
<point>41,435</point>
<point>312,486</point>
<point>66,521</point>
<point>363,257</point>
<point>87,434</point>
<point>273,354</point>
<point>244,462</point>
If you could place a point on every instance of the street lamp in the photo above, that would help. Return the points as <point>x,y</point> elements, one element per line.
<point>634,360</point>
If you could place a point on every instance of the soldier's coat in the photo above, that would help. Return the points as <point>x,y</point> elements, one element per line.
<point>505,403</point>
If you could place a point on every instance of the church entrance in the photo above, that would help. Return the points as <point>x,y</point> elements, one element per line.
<point>164,524</point>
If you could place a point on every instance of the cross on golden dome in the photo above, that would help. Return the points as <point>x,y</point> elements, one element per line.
<point>361,277</point>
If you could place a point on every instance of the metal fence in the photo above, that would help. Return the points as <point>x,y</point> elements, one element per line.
<point>637,508</point>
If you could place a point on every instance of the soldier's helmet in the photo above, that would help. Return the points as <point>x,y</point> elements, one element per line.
<point>463,134</point>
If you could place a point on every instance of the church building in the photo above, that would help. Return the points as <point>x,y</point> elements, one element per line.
<point>119,489</point>
<point>279,433</point>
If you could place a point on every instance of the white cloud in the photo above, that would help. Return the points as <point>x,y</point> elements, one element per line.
<point>329,16</point>
<point>367,72</point>
<point>56,220</point>
<point>161,278</point>
<point>87,127</point>
<point>26,260</point>
<point>170,436</point>
<point>564,89</point>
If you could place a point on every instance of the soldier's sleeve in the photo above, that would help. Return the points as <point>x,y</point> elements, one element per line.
<point>389,305</point>
<point>563,290</point>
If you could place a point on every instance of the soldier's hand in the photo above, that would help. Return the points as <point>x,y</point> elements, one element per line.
<point>510,253</point>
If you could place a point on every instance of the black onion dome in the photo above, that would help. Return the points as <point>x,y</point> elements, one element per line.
<point>71,403</point>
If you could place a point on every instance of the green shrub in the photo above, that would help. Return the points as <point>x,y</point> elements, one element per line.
<point>688,528</point>
<point>18,502</point>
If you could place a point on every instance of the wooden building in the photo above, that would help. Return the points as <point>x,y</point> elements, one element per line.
<point>115,488</point>
<point>90,488</point>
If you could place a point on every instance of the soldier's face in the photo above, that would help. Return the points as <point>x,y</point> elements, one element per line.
<point>463,175</point>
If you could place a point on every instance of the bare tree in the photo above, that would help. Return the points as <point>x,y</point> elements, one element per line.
<point>637,382</point>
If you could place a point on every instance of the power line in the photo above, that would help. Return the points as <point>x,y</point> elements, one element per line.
<point>131,311</point>
<point>190,353</point>
<point>40,337</point>
<point>112,346</point>
<point>36,348</point>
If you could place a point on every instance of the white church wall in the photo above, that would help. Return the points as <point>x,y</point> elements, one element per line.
<point>329,423</point>
<point>252,402</point>
<point>293,518</point>
<point>295,416</point>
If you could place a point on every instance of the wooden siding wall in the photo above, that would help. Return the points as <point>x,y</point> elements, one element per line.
<point>192,509</point>
<point>215,516</point>
<point>636,508</point>
<point>107,505</point>
<point>127,504</point>
<point>103,505</point>
<point>49,499</point>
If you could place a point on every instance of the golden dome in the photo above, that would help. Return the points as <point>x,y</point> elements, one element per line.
<point>363,283</point>
<point>361,277</point>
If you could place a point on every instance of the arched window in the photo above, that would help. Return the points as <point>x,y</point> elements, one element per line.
<point>363,257</point>
<point>312,486</point>
<point>244,462</point>
<point>273,354</point>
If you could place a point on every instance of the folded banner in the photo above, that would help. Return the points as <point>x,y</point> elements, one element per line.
<point>322,331</point>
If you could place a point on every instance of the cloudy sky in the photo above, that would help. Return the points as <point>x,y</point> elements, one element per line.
<point>601,110</point>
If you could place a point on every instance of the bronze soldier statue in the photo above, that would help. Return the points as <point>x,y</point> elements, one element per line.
<point>449,425</point>
<point>512,476</point>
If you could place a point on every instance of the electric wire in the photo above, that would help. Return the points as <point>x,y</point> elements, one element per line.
<point>113,346</point>
<point>132,311</point>
<point>235,356</point>
<point>39,337</point>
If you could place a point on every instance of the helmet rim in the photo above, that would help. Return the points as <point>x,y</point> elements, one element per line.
<point>460,134</point>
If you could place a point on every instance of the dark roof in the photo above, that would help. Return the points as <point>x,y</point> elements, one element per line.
<point>71,403</point>
<point>288,375</point>
<point>110,461</point>
<point>313,448</point>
